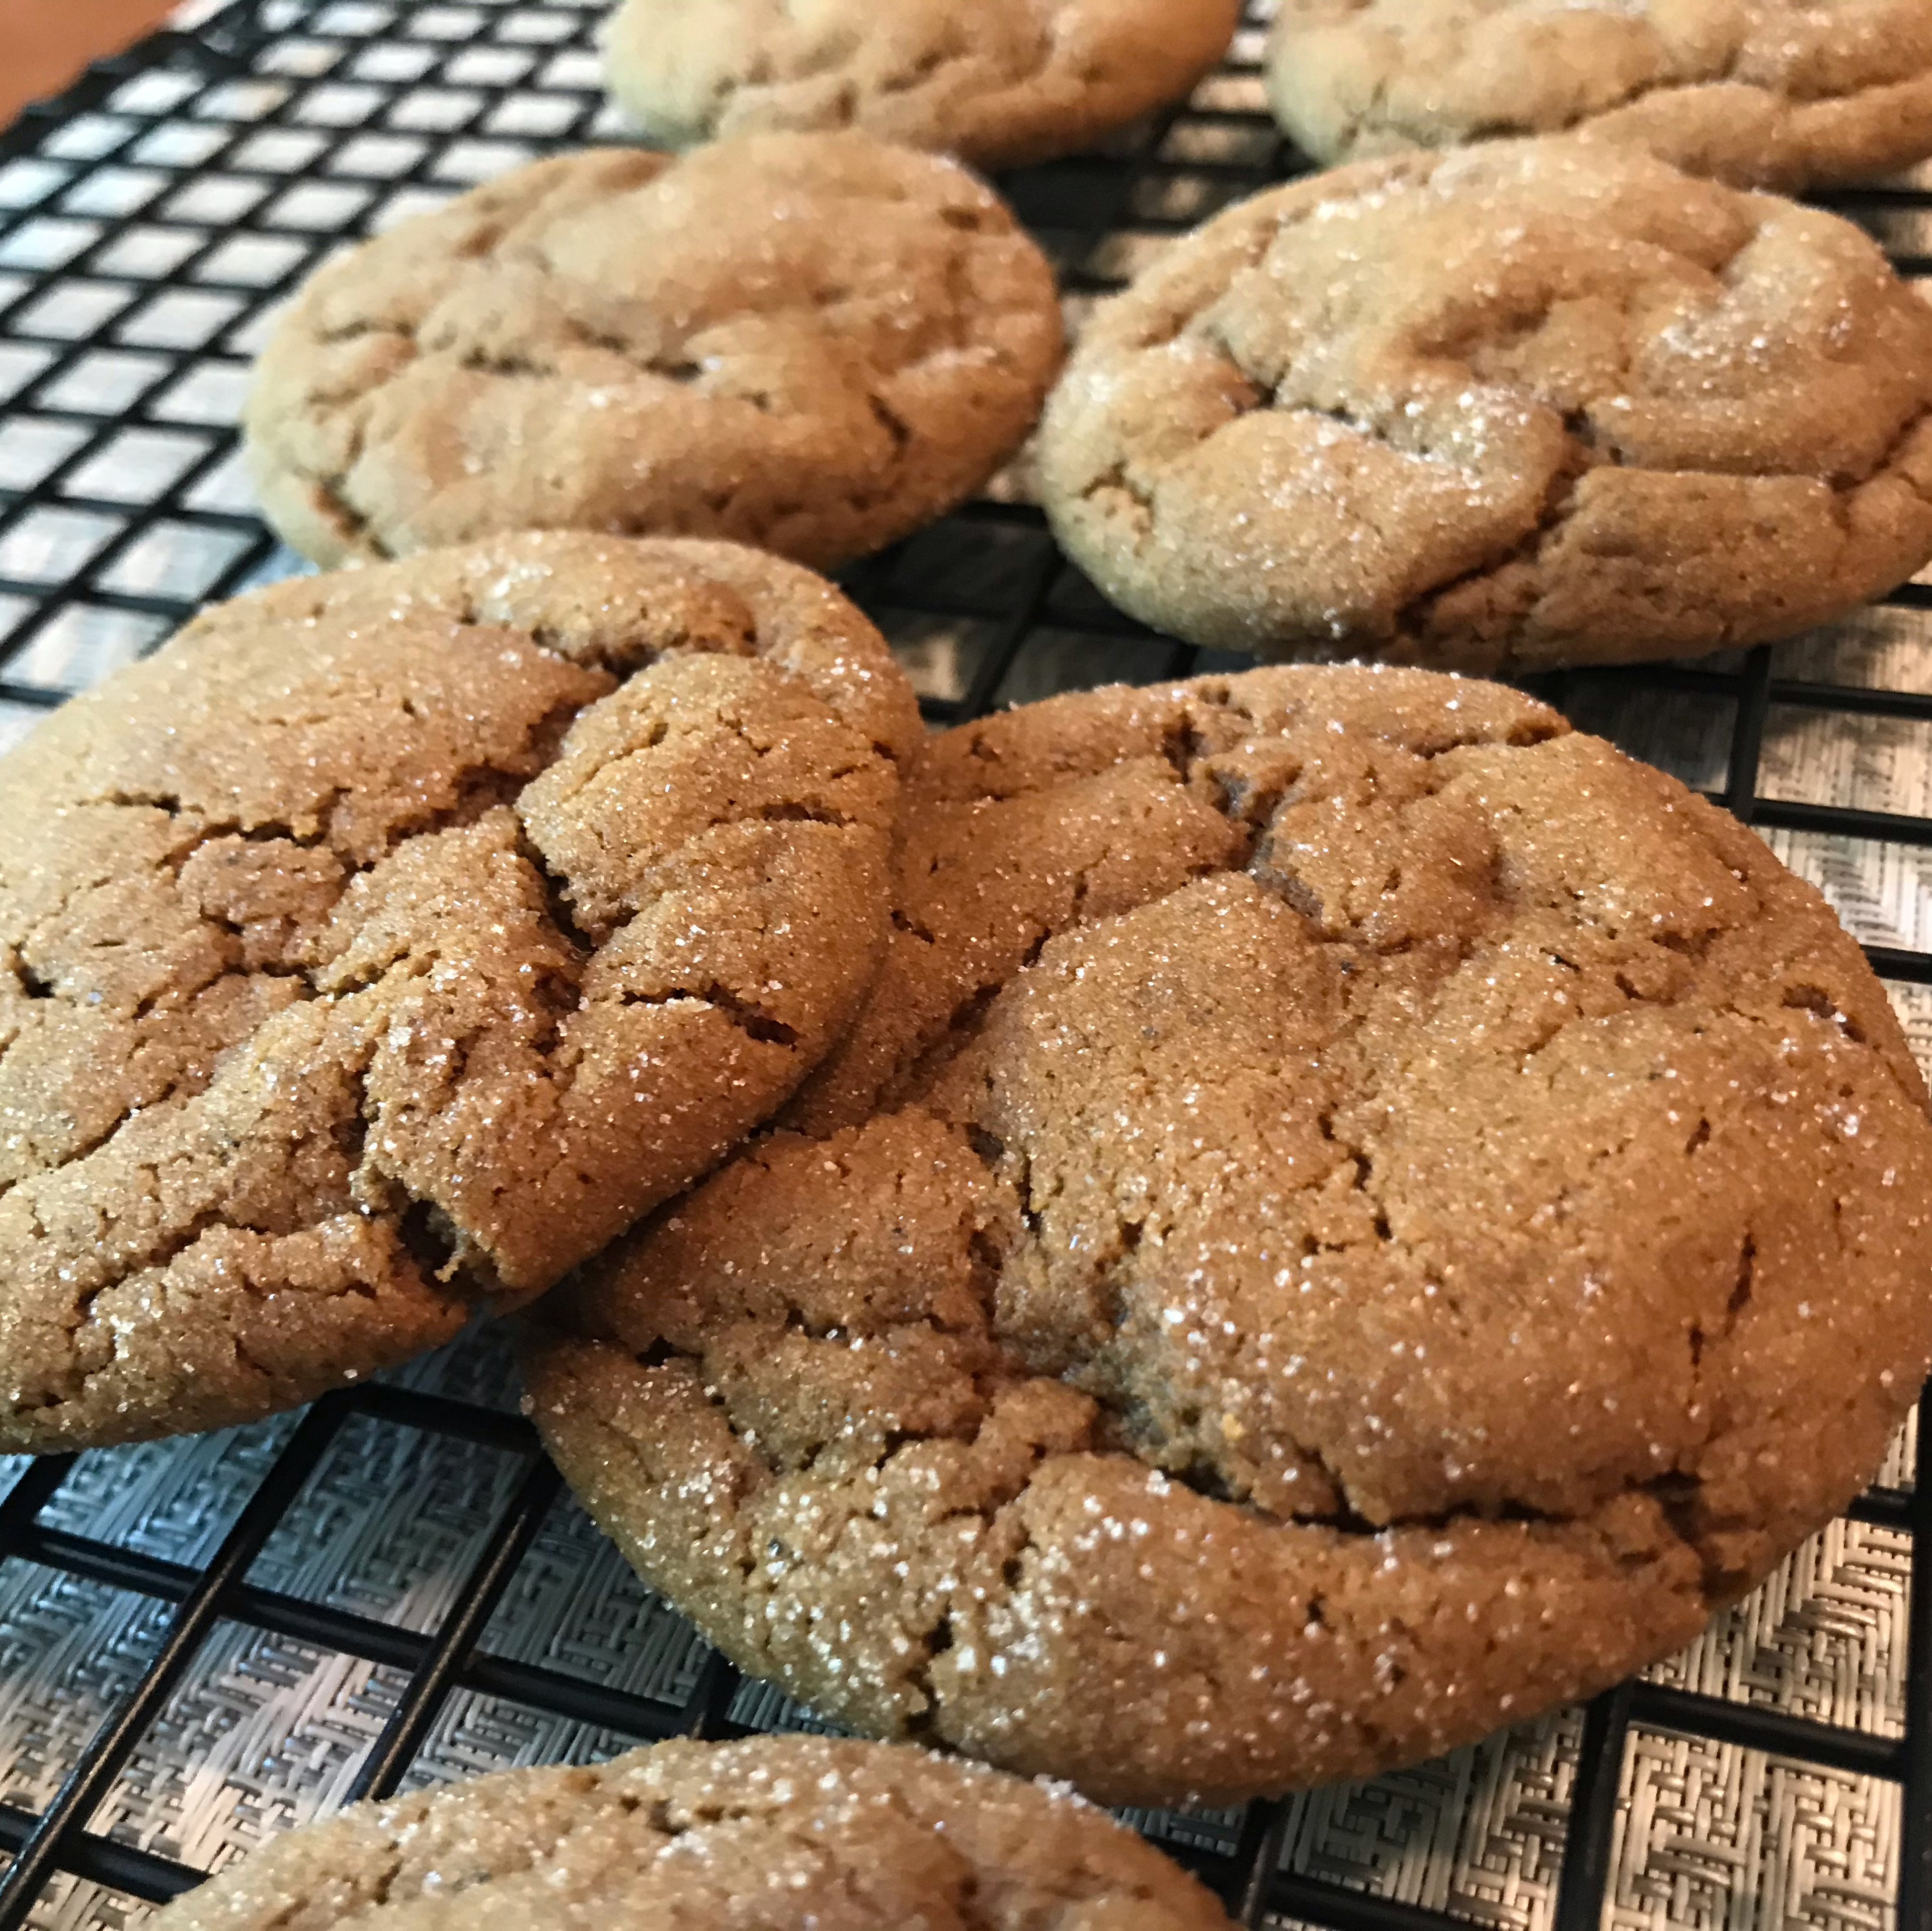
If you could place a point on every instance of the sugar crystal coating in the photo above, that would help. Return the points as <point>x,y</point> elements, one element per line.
<point>1000,83</point>
<point>389,940</point>
<point>774,1834</point>
<point>1352,1215</point>
<point>1534,403</point>
<point>814,343</point>
<point>1761,93</point>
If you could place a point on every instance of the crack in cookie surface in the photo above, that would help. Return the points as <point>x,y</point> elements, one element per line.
<point>815,344</point>
<point>1312,1249</point>
<point>1540,403</point>
<point>365,961</point>
<point>1767,94</point>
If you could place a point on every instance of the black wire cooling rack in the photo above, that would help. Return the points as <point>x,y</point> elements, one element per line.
<point>150,219</point>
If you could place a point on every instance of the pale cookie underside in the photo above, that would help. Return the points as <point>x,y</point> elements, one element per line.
<point>1000,83</point>
<point>1312,1251</point>
<point>387,943</point>
<point>1539,402</point>
<point>1760,93</point>
<point>812,343</point>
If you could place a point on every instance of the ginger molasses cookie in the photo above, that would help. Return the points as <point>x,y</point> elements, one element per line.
<point>1535,403</point>
<point>999,83</point>
<point>1761,93</point>
<point>389,941</point>
<point>1353,1216</point>
<point>774,1834</point>
<point>812,343</point>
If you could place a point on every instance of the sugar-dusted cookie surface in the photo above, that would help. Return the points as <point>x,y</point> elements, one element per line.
<point>810,343</point>
<point>1533,403</point>
<point>998,83</point>
<point>1761,93</point>
<point>389,940</point>
<point>774,1833</point>
<point>1353,1216</point>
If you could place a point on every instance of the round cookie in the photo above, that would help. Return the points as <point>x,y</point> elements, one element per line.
<point>1760,93</point>
<point>1532,404</point>
<point>774,1834</point>
<point>814,343</point>
<point>1353,1216</point>
<point>1000,83</point>
<point>389,941</point>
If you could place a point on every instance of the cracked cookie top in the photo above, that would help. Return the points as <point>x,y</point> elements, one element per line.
<point>999,83</point>
<point>1535,403</point>
<point>813,343</point>
<point>1353,1214</point>
<point>1783,93</point>
<point>774,1834</point>
<point>389,941</point>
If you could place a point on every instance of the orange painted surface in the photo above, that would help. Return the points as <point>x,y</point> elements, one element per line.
<point>45,43</point>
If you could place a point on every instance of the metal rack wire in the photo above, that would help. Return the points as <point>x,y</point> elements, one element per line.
<point>150,219</point>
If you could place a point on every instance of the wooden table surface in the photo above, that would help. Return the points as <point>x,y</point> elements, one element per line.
<point>45,43</point>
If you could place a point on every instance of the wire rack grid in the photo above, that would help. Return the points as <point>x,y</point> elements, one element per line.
<point>205,1641</point>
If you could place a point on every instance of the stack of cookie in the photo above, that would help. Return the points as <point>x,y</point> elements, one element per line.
<point>1193,1240</point>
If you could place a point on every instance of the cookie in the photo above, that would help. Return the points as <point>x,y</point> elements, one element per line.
<point>814,343</point>
<point>1000,83</point>
<point>389,941</point>
<point>774,1834</point>
<point>1353,1216</point>
<point>1760,93</point>
<point>1533,404</point>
